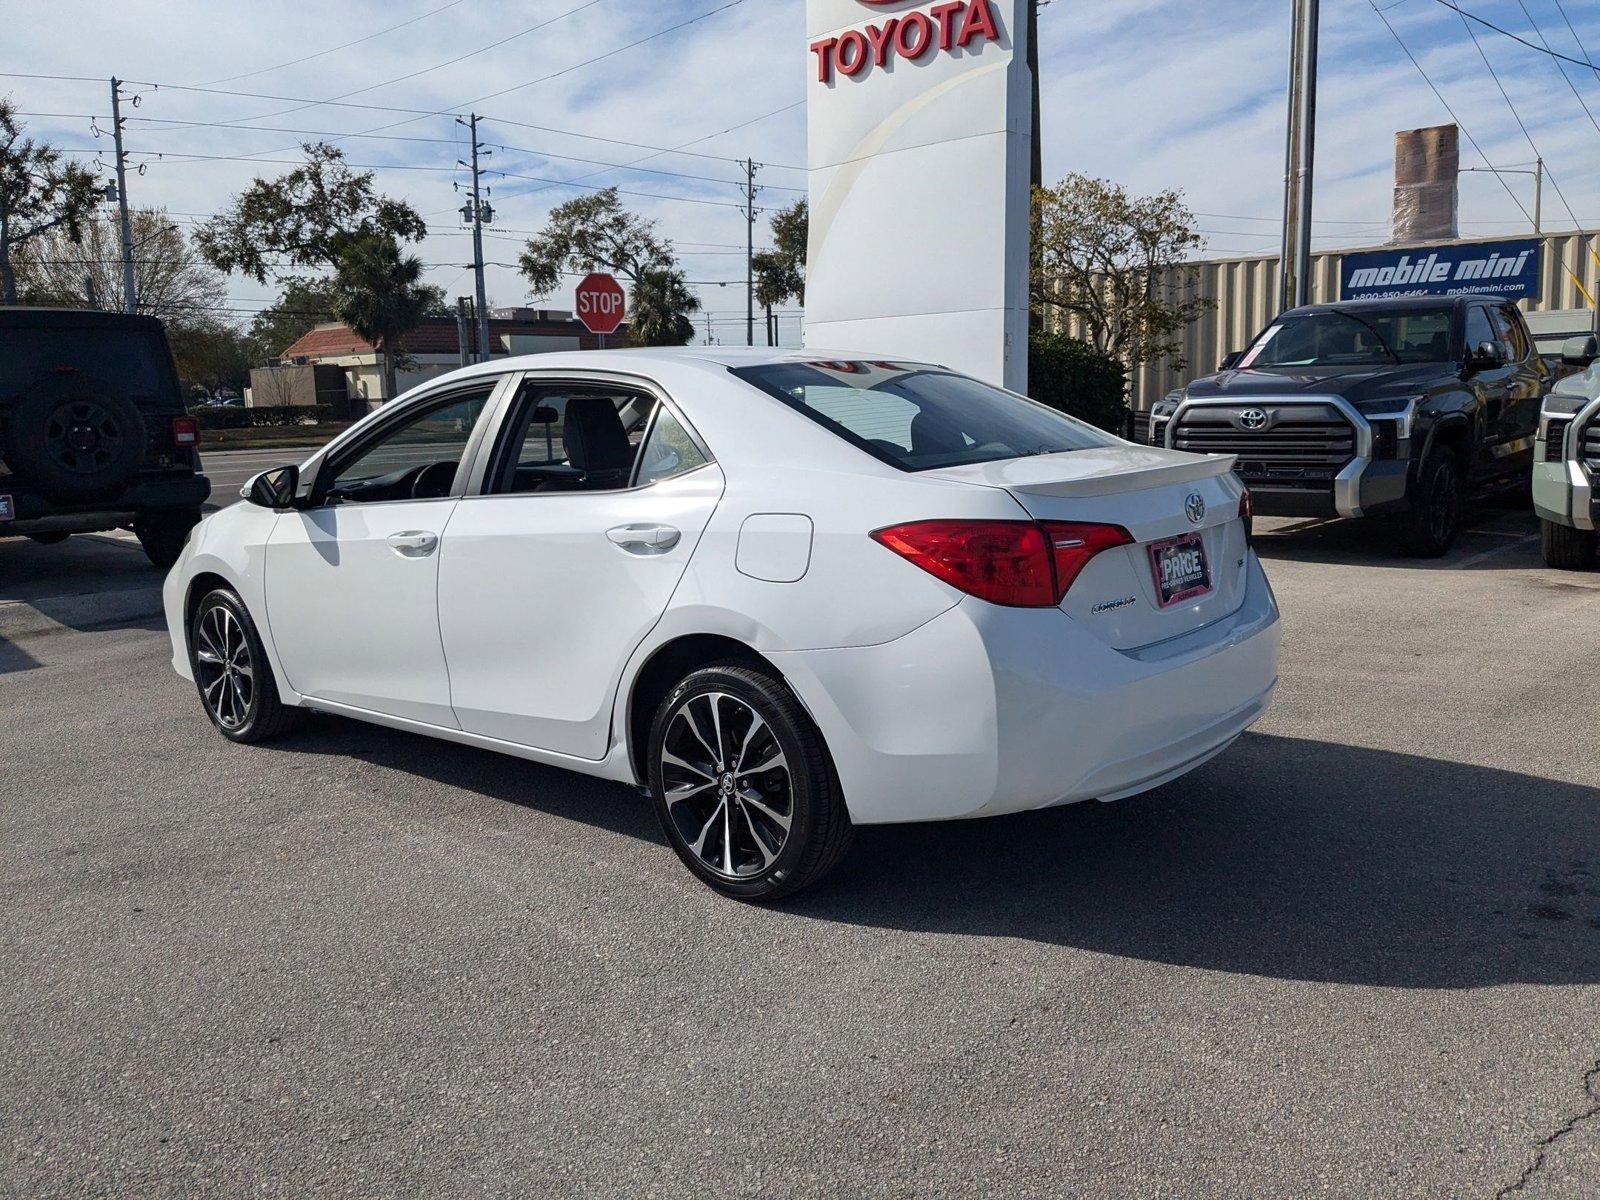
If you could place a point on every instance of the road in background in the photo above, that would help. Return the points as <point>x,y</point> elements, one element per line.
<point>1358,954</point>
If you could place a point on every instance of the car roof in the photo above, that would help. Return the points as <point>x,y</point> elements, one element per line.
<point>1391,303</point>
<point>642,359</point>
<point>74,318</point>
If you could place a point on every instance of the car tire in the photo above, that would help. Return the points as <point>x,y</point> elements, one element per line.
<point>753,835</point>
<point>75,439</point>
<point>163,535</point>
<point>1429,528</point>
<point>242,702</point>
<point>1568,549</point>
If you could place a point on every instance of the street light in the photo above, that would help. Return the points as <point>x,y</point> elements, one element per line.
<point>1538,187</point>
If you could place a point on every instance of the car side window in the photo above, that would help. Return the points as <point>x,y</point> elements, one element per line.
<point>1479,328</point>
<point>415,460</point>
<point>1510,332</point>
<point>571,439</point>
<point>669,451</point>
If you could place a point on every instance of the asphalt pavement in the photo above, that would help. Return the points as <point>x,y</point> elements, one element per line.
<point>1357,955</point>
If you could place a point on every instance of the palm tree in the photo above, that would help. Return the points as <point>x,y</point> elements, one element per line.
<point>662,303</point>
<point>379,294</point>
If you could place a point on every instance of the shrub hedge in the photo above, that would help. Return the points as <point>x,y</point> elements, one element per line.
<point>219,417</point>
<point>1074,377</point>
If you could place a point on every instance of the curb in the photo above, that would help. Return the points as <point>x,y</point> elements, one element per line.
<point>62,614</point>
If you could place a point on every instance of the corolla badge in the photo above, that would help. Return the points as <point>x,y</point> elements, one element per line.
<point>1195,506</point>
<point>1253,419</point>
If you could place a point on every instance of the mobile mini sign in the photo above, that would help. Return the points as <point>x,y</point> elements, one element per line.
<point>1510,268</point>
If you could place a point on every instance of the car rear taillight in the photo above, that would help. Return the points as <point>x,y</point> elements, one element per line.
<point>1020,564</point>
<point>185,431</point>
<point>1075,543</point>
<point>1247,514</point>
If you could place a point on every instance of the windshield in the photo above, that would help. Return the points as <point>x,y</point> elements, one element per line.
<point>1354,337</point>
<point>920,418</point>
<point>133,360</point>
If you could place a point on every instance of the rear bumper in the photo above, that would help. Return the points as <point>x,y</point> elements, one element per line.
<point>35,514</point>
<point>987,710</point>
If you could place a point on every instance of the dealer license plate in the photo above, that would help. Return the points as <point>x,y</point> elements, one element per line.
<point>1181,569</point>
<point>8,510</point>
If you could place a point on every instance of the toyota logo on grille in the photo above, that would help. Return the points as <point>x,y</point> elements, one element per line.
<point>1253,419</point>
<point>1195,506</point>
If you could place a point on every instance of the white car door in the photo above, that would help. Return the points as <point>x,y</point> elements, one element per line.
<point>352,582</point>
<point>591,508</point>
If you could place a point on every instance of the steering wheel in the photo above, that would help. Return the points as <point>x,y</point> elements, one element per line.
<point>433,481</point>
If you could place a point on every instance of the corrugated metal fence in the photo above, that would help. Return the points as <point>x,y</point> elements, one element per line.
<point>1246,292</point>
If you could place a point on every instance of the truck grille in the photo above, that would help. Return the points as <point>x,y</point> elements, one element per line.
<point>1589,447</point>
<point>1301,445</point>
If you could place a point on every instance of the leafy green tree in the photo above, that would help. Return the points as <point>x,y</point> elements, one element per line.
<point>781,271</point>
<point>379,293</point>
<point>306,218</point>
<point>38,193</point>
<point>304,303</point>
<point>593,233</point>
<point>1112,266</point>
<point>663,307</point>
<point>211,352</point>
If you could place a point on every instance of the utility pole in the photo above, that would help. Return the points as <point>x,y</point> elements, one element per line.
<point>1295,266</point>
<point>480,215</point>
<point>750,190</point>
<point>130,300</point>
<point>461,330</point>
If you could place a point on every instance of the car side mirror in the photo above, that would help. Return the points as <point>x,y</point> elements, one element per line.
<point>1486,356</point>
<point>1580,351</point>
<point>1231,361</point>
<point>273,489</point>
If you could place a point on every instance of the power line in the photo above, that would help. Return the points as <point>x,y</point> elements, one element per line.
<point>1382,16</point>
<point>1559,67</point>
<point>404,137</point>
<point>450,62</point>
<point>295,62</point>
<point>1582,49</point>
<point>1493,74</point>
<point>1467,16</point>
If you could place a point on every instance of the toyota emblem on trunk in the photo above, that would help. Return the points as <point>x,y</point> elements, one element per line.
<point>1253,418</point>
<point>1195,506</point>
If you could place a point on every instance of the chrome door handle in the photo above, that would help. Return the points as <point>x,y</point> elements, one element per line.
<point>645,539</point>
<point>414,544</point>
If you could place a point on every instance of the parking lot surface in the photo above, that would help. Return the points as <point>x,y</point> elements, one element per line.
<point>1359,954</point>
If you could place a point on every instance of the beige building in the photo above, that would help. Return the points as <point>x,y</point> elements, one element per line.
<point>432,349</point>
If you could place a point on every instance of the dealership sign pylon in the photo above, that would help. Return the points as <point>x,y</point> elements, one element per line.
<point>920,149</point>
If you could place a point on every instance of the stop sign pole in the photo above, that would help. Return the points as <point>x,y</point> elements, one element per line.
<point>601,305</point>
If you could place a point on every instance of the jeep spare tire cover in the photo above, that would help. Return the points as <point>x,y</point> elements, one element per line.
<point>74,437</point>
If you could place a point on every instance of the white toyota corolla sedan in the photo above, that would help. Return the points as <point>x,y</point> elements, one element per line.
<point>786,595</point>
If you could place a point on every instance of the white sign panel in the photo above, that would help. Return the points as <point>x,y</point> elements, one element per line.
<point>920,143</point>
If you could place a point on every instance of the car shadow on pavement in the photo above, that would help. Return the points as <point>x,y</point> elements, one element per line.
<point>1285,858</point>
<point>1494,538</point>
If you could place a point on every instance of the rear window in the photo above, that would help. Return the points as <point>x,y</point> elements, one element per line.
<point>133,361</point>
<point>920,418</point>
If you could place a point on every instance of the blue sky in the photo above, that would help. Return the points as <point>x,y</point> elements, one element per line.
<point>1151,93</point>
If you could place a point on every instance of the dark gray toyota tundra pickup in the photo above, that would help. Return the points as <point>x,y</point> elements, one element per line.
<point>1402,408</point>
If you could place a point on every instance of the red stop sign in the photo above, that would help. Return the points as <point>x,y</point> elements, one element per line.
<point>601,303</point>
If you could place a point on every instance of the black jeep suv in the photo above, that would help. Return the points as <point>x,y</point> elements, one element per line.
<point>94,432</point>
<point>1400,407</point>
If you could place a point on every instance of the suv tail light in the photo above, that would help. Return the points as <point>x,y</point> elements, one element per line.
<point>185,431</point>
<point>1020,564</point>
